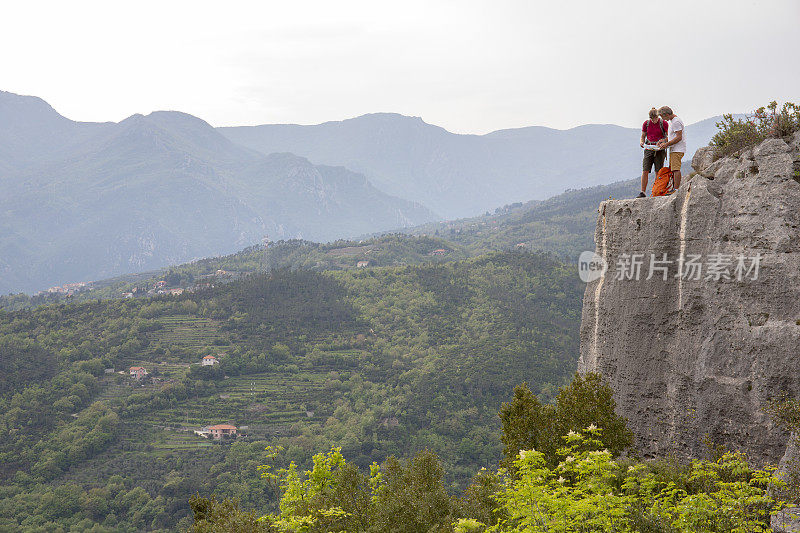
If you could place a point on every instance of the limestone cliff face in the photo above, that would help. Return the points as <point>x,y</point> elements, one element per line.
<point>687,357</point>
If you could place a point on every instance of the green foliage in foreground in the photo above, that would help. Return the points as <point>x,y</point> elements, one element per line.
<point>735,135</point>
<point>587,491</point>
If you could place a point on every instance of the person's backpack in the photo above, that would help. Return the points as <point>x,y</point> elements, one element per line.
<point>663,182</point>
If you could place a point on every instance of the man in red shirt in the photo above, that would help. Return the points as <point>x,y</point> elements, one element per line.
<point>653,130</point>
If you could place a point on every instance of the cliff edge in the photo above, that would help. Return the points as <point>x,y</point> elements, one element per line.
<point>708,331</point>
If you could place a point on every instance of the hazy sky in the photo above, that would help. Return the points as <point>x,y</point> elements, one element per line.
<point>469,66</point>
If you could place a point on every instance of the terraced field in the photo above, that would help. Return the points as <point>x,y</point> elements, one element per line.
<point>189,332</point>
<point>180,440</point>
<point>267,403</point>
<point>114,387</point>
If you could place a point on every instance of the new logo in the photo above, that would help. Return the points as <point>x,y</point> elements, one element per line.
<point>591,266</point>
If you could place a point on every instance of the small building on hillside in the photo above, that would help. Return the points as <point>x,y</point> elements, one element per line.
<point>210,360</point>
<point>440,251</point>
<point>363,263</point>
<point>222,431</point>
<point>138,372</point>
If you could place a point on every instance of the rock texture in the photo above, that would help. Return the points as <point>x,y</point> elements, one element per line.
<point>692,360</point>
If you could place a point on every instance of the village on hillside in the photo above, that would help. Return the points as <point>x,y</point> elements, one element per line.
<point>162,287</point>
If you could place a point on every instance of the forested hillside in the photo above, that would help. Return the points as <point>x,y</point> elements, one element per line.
<point>561,225</point>
<point>387,250</point>
<point>379,361</point>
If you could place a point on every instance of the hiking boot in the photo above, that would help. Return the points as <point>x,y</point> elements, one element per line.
<point>642,195</point>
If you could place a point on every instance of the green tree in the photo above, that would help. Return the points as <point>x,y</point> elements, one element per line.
<point>589,400</point>
<point>411,498</point>
<point>335,496</point>
<point>527,425</point>
<point>530,425</point>
<point>332,496</point>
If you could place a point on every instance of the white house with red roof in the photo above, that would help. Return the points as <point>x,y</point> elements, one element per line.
<point>210,360</point>
<point>222,430</point>
<point>138,372</point>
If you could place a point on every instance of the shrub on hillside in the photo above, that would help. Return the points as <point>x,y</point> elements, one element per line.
<point>735,135</point>
<point>212,515</point>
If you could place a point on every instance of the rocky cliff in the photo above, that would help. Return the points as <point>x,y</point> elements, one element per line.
<point>695,348</point>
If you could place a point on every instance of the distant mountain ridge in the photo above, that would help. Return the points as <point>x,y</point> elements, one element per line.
<point>91,200</point>
<point>86,200</point>
<point>459,175</point>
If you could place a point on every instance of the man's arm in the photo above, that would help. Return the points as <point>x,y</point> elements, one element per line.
<point>641,139</point>
<point>677,139</point>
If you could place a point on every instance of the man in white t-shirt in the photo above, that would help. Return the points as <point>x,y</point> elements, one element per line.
<point>676,141</point>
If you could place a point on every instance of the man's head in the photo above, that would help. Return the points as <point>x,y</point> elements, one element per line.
<point>665,112</point>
